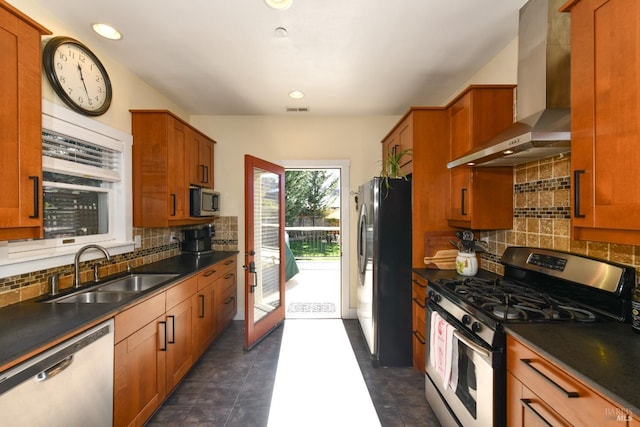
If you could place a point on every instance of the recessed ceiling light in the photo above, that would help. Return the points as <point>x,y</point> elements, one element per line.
<point>296,94</point>
<point>279,4</point>
<point>107,31</point>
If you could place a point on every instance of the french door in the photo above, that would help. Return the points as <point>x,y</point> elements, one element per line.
<point>264,248</point>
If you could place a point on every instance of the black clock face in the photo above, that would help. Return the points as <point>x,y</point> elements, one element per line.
<point>77,76</point>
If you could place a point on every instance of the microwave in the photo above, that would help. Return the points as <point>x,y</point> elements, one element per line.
<point>204,202</point>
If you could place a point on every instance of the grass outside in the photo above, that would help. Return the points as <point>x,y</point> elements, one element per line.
<point>302,249</point>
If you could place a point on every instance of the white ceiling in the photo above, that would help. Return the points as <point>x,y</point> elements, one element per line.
<point>350,57</point>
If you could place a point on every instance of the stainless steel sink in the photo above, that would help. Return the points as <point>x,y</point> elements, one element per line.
<point>115,290</point>
<point>135,282</point>
<point>94,297</point>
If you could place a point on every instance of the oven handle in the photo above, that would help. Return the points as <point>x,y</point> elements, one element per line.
<point>475,347</point>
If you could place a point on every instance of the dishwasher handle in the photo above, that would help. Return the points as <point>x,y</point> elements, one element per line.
<point>55,369</point>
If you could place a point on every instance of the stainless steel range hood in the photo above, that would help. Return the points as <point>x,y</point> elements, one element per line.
<point>543,126</point>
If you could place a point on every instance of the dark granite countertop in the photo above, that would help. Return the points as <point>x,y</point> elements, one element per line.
<point>32,325</point>
<point>604,355</point>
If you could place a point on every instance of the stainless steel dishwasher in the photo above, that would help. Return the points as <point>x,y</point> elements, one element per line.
<point>70,384</point>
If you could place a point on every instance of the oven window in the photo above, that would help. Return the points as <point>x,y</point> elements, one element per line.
<point>463,379</point>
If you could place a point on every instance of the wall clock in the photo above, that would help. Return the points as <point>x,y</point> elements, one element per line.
<point>77,76</point>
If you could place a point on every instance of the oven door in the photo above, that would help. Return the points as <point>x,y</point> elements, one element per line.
<point>469,397</point>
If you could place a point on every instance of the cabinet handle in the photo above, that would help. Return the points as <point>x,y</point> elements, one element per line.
<point>576,193</point>
<point>228,276</point>
<point>173,329</point>
<point>203,176</point>
<point>527,404</point>
<point>463,193</point>
<point>209,273</point>
<point>418,337</point>
<point>569,394</point>
<point>164,325</point>
<point>206,175</point>
<point>228,262</point>
<point>173,198</point>
<point>417,301</point>
<point>36,197</point>
<point>229,300</point>
<point>419,284</point>
<point>201,306</point>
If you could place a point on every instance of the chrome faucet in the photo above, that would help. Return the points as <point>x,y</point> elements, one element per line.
<point>76,262</point>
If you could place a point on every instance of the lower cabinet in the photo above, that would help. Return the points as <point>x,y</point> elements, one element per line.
<point>539,393</point>
<point>419,308</point>
<point>158,340</point>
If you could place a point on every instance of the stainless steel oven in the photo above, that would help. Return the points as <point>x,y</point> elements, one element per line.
<point>466,317</point>
<point>468,396</point>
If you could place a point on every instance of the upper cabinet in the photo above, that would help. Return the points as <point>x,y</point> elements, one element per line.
<point>481,198</point>
<point>20,125</point>
<point>397,142</point>
<point>605,120</point>
<point>199,159</point>
<point>168,156</point>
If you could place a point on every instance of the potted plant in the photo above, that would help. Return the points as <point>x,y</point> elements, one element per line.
<point>391,166</point>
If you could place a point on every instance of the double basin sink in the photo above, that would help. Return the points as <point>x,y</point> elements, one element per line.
<point>115,290</point>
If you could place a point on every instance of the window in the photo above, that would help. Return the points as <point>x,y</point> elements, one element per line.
<point>86,190</point>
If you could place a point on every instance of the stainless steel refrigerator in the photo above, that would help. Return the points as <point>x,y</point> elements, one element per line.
<point>384,268</point>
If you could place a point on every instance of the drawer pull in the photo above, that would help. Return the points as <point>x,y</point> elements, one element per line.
<point>164,344</point>
<point>229,262</point>
<point>209,273</point>
<point>418,337</point>
<point>417,301</point>
<point>527,404</point>
<point>569,394</point>
<point>229,300</point>
<point>228,276</point>
<point>419,284</point>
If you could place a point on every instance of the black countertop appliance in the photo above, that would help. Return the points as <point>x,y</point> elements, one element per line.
<point>198,241</point>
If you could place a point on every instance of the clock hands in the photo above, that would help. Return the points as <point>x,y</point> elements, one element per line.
<point>83,83</point>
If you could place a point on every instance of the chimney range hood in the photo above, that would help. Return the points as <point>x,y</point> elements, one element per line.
<point>543,126</point>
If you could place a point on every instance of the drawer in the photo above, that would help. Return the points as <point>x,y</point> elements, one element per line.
<point>136,317</point>
<point>181,292</point>
<point>227,281</point>
<point>227,305</point>
<point>215,272</point>
<point>560,391</point>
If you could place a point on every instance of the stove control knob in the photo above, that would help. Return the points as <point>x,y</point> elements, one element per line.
<point>435,297</point>
<point>475,327</point>
<point>466,319</point>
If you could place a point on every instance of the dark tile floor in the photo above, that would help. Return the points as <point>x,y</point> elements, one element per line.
<point>230,387</point>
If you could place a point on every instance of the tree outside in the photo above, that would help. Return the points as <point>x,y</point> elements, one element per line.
<point>310,197</point>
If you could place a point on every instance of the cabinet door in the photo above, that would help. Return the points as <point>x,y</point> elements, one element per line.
<point>204,320</point>
<point>605,120</point>
<point>139,374</point>
<point>20,129</point>
<point>400,140</point>
<point>199,160</point>
<point>177,184</point>
<point>179,342</point>
<point>205,156</point>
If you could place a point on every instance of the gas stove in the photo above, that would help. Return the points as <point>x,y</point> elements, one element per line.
<point>465,380</point>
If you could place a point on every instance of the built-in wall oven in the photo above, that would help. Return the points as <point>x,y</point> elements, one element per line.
<point>465,362</point>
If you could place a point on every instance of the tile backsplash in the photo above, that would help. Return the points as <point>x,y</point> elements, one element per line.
<point>156,245</point>
<point>542,217</point>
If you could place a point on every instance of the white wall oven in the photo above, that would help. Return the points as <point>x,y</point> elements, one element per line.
<point>465,365</point>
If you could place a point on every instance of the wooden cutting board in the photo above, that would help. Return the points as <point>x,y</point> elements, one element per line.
<point>444,259</point>
<point>435,241</point>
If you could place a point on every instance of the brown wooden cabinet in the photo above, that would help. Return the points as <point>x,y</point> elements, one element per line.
<point>166,156</point>
<point>400,139</point>
<point>158,340</point>
<point>425,130</point>
<point>480,198</point>
<point>605,129</point>
<point>419,307</point>
<point>20,125</point>
<point>226,299</point>
<point>199,159</point>
<point>541,393</point>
